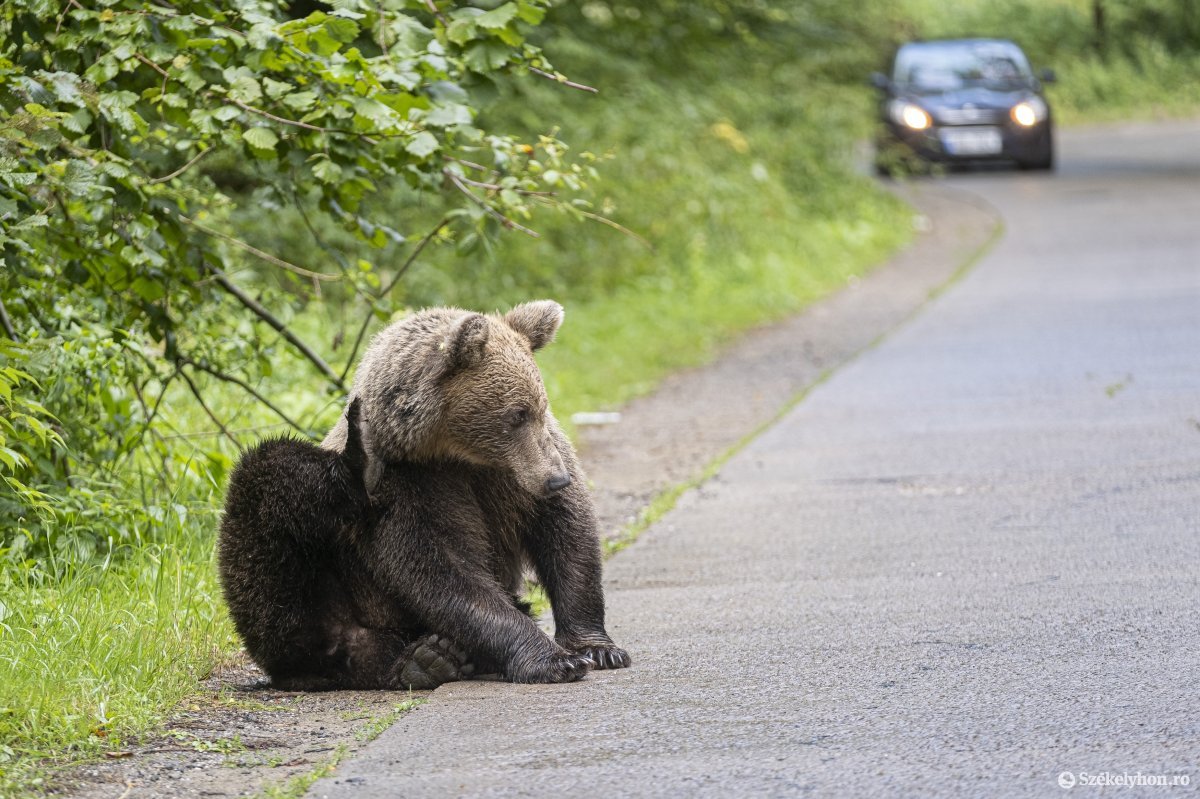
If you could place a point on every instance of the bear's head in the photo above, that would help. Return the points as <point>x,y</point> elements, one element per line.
<point>447,384</point>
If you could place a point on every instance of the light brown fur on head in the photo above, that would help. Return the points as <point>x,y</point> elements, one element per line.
<point>448,384</point>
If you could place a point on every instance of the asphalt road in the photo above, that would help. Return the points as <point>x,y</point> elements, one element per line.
<point>966,565</point>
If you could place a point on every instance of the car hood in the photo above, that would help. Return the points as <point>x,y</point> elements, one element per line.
<point>977,97</point>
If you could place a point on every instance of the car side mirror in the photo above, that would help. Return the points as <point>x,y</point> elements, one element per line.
<point>880,81</point>
<point>1047,76</point>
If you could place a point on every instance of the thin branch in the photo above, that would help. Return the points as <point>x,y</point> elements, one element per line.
<point>210,433</point>
<point>7,324</point>
<point>497,187</point>
<point>281,120</point>
<point>471,164</point>
<point>228,378</point>
<point>563,80</point>
<point>616,226</point>
<point>368,138</point>
<point>262,313</point>
<point>335,253</point>
<point>151,413</point>
<point>266,256</point>
<point>383,48</point>
<point>183,168</point>
<point>412,257</point>
<point>434,10</point>
<point>501,218</point>
<point>196,393</point>
<point>152,65</point>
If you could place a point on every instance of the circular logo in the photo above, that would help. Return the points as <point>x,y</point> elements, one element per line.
<point>1066,780</point>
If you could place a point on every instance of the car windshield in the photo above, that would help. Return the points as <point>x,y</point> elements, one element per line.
<point>944,66</point>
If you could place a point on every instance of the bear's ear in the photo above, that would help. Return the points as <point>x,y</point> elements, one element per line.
<point>465,342</point>
<point>537,321</point>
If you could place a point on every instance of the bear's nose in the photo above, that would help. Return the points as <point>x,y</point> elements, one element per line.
<point>558,482</point>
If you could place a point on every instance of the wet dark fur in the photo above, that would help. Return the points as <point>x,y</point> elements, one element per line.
<point>308,613</point>
<point>452,541</point>
<point>416,584</point>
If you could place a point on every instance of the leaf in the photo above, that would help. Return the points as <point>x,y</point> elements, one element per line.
<point>149,290</point>
<point>487,56</point>
<point>261,138</point>
<point>245,89</point>
<point>300,101</point>
<point>78,122</point>
<point>461,30</point>
<point>326,171</point>
<point>530,13</point>
<point>12,459</point>
<point>373,113</point>
<point>449,114</point>
<point>422,145</point>
<point>104,70</point>
<point>498,17</point>
<point>323,43</point>
<point>65,85</point>
<point>115,107</point>
<point>276,88</point>
<point>341,29</point>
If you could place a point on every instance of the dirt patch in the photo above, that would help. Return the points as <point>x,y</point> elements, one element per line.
<point>238,737</point>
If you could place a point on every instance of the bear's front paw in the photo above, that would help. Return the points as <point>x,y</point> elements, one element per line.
<point>430,662</point>
<point>597,646</point>
<point>559,667</point>
<point>605,656</point>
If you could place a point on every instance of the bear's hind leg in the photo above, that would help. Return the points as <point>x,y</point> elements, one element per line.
<point>430,662</point>
<point>377,659</point>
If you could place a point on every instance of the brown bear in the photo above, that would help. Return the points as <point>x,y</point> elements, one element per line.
<point>399,559</point>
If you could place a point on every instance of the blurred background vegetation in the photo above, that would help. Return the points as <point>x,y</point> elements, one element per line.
<point>724,134</point>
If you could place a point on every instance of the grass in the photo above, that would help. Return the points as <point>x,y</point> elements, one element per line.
<point>96,657</point>
<point>1150,86</point>
<point>298,786</point>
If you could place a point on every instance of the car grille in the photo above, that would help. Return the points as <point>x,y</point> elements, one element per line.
<point>968,116</point>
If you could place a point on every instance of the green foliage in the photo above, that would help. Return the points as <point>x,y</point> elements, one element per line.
<point>27,433</point>
<point>120,274</point>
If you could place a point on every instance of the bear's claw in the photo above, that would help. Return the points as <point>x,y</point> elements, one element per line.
<point>606,656</point>
<point>560,667</point>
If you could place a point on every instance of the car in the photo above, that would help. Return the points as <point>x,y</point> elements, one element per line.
<point>961,101</point>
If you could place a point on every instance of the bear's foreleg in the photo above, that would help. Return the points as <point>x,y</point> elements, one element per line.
<point>435,576</point>
<point>565,550</point>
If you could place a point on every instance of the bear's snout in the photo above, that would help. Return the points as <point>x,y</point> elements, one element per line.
<point>558,482</point>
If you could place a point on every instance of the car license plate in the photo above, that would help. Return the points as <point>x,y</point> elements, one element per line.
<point>972,141</point>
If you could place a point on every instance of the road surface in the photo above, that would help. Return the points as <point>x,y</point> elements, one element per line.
<point>966,565</point>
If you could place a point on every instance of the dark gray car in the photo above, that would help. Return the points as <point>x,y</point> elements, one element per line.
<point>963,101</point>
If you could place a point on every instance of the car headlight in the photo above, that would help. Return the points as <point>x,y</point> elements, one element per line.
<point>909,115</point>
<point>1028,113</point>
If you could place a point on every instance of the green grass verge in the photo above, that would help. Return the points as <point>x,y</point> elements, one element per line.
<point>102,654</point>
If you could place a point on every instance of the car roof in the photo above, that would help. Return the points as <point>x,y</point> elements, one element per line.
<point>930,43</point>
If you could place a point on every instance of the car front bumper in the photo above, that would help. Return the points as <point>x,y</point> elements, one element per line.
<point>937,143</point>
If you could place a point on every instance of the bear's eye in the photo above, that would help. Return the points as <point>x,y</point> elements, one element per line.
<point>517,417</point>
